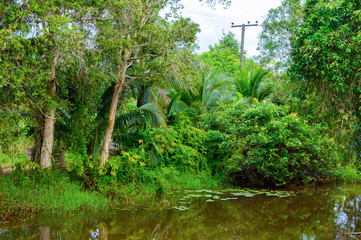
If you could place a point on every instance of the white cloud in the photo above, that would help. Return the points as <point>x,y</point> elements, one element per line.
<point>213,21</point>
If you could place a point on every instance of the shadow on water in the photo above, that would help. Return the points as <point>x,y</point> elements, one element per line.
<point>328,213</point>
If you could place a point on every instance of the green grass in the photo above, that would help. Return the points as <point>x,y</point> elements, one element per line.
<point>152,184</point>
<point>23,194</point>
<point>348,173</point>
<point>172,179</point>
<point>26,193</point>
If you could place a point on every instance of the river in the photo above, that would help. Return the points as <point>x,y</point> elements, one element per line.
<point>328,212</point>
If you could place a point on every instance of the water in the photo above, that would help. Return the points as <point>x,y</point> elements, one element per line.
<point>324,213</point>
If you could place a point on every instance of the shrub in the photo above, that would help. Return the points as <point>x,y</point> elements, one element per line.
<point>179,146</point>
<point>270,146</point>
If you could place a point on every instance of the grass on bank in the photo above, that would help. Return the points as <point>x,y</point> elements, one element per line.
<point>348,173</point>
<point>24,194</point>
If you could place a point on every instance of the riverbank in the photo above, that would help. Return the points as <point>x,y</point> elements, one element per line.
<point>54,191</point>
<point>25,194</point>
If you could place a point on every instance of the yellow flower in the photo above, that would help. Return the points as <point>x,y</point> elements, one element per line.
<point>140,141</point>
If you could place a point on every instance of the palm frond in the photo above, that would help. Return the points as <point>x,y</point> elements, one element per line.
<point>253,83</point>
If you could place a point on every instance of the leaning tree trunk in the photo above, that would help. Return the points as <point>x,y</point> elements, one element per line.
<point>107,140</point>
<point>49,125</point>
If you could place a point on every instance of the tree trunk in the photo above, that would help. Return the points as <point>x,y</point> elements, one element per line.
<point>48,135</point>
<point>119,87</point>
<point>49,124</point>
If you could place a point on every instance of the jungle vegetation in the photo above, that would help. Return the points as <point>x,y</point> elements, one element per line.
<point>116,91</point>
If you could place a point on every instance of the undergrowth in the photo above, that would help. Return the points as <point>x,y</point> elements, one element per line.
<point>27,193</point>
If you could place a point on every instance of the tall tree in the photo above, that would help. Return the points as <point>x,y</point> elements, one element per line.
<point>36,39</point>
<point>279,26</point>
<point>326,59</point>
<point>223,56</point>
<point>131,33</point>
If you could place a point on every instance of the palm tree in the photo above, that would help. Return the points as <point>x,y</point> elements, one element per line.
<point>203,96</point>
<point>149,107</point>
<point>253,83</point>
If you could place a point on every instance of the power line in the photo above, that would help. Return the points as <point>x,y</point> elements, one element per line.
<point>243,26</point>
<point>210,19</point>
<point>205,14</point>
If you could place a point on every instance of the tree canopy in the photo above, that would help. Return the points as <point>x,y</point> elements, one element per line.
<point>278,28</point>
<point>326,60</point>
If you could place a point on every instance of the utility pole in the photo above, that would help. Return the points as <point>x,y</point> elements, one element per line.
<point>243,26</point>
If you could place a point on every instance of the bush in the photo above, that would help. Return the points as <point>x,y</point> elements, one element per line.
<point>179,146</point>
<point>269,145</point>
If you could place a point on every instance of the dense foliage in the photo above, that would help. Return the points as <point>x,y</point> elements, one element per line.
<point>325,63</point>
<point>109,97</point>
<point>266,144</point>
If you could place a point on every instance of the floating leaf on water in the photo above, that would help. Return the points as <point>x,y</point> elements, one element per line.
<point>194,195</point>
<point>209,200</point>
<point>238,194</point>
<point>218,193</point>
<point>256,191</point>
<point>202,190</point>
<point>208,195</point>
<point>268,194</point>
<point>245,194</point>
<point>281,194</point>
<point>209,191</point>
<point>216,197</point>
<point>181,208</point>
<point>250,195</point>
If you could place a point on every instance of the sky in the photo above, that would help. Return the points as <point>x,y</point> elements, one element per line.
<point>213,21</point>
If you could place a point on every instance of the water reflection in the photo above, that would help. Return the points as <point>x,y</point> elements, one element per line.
<point>45,233</point>
<point>329,213</point>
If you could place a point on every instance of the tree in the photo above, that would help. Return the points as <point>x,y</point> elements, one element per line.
<point>279,26</point>
<point>131,33</point>
<point>227,42</point>
<point>250,81</point>
<point>212,3</point>
<point>326,60</point>
<point>223,56</point>
<point>37,40</point>
<point>203,96</point>
<point>253,83</point>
